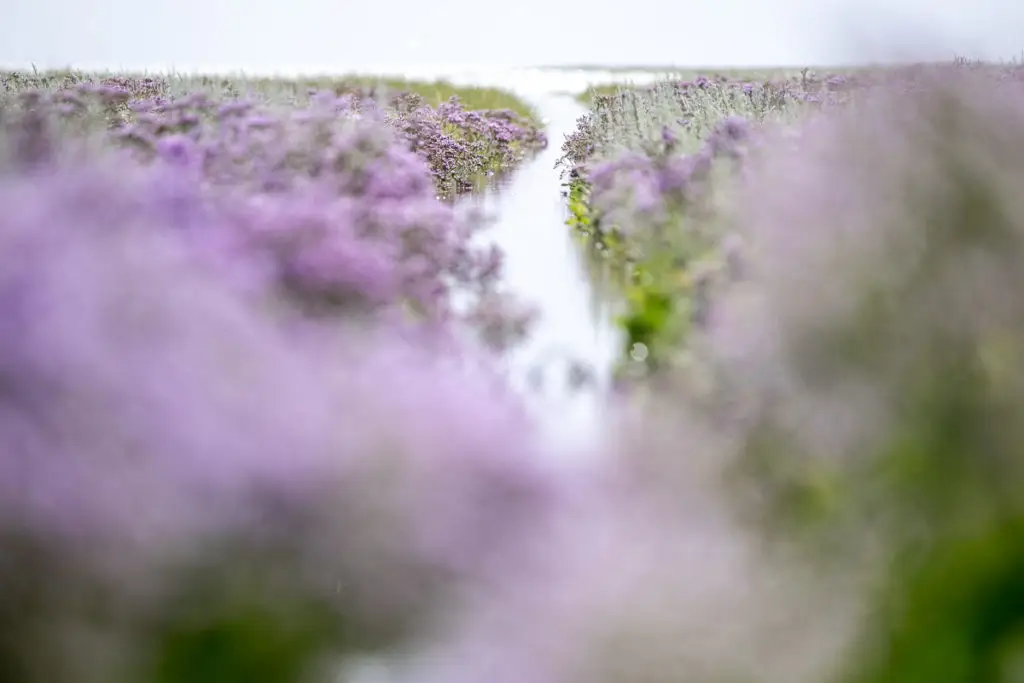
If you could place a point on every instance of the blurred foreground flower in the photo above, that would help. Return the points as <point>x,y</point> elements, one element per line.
<point>189,491</point>
<point>872,361</point>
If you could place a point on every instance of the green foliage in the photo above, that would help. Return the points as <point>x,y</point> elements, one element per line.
<point>290,89</point>
<point>237,642</point>
<point>580,218</point>
<point>953,614</point>
<point>246,615</point>
<point>438,92</point>
<point>655,290</point>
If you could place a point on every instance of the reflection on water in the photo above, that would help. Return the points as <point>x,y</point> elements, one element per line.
<point>606,280</point>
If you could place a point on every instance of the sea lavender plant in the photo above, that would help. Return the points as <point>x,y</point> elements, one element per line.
<point>653,216</point>
<point>333,202</point>
<point>191,491</point>
<point>641,171</point>
<point>614,196</point>
<point>461,146</point>
<point>871,363</point>
<point>464,147</point>
<point>650,575</point>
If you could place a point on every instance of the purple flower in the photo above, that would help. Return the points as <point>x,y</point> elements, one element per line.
<point>180,150</point>
<point>668,138</point>
<point>155,419</point>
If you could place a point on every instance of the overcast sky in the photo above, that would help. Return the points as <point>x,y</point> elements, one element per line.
<point>349,35</point>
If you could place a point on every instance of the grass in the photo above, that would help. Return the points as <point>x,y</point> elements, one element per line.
<point>669,69</point>
<point>434,92</point>
<point>469,167</point>
<point>690,73</point>
<point>586,97</point>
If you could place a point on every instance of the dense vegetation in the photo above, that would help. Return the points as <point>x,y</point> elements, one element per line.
<point>247,434</point>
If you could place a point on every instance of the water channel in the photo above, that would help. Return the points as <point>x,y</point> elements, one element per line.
<point>566,364</point>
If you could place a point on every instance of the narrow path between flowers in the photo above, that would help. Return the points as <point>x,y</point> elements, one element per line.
<point>567,361</point>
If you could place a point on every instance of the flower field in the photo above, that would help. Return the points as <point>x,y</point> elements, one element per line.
<point>255,427</point>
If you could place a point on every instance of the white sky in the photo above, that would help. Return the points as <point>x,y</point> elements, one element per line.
<point>349,35</point>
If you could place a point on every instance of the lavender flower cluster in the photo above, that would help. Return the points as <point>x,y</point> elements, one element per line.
<point>647,193</point>
<point>339,209</point>
<point>224,452</point>
<point>643,167</point>
<point>463,147</point>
